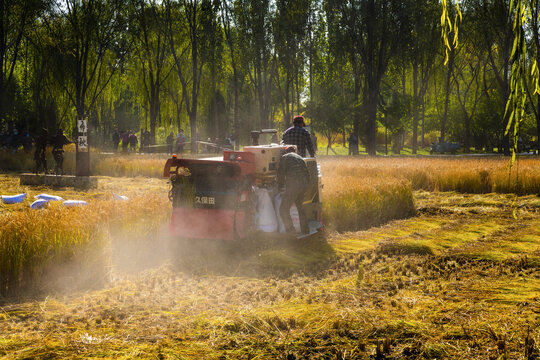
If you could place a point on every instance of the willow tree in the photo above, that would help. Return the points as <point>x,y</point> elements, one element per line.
<point>423,50</point>
<point>509,20</point>
<point>151,50</point>
<point>374,28</point>
<point>290,31</point>
<point>341,29</point>
<point>254,21</point>
<point>15,18</point>
<point>184,27</point>
<point>533,88</point>
<point>521,67</point>
<point>87,43</point>
<point>228,22</point>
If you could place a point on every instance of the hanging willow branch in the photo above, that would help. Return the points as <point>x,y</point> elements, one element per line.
<point>515,106</point>
<point>536,77</point>
<point>517,99</point>
<point>447,27</point>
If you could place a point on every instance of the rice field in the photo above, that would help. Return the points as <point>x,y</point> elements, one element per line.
<point>467,174</point>
<point>34,243</point>
<point>423,260</point>
<point>360,193</point>
<point>478,175</point>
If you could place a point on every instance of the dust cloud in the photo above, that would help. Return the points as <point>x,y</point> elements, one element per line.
<point>126,258</point>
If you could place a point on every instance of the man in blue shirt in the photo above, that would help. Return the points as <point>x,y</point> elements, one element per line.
<point>297,135</point>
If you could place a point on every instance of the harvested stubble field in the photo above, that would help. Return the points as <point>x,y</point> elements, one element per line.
<point>460,279</point>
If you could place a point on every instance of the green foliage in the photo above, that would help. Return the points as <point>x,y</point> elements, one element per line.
<point>221,67</point>
<point>515,106</point>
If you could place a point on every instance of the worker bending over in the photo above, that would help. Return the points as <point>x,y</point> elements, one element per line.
<point>297,135</point>
<point>293,177</point>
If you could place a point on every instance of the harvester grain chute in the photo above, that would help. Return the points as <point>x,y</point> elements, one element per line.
<point>215,197</point>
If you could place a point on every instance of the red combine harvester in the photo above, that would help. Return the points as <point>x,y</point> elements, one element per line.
<point>220,197</point>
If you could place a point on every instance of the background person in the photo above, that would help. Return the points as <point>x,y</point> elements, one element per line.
<point>26,141</point>
<point>170,142</point>
<point>181,141</point>
<point>145,141</point>
<point>58,151</point>
<point>133,141</point>
<point>353,144</point>
<point>39,154</point>
<point>125,141</point>
<point>115,140</point>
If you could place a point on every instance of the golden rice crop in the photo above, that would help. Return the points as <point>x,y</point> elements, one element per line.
<point>33,241</point>
<point>469,175</point>
<point>129,165</point>
<point>353,203</point>
<point>463,174</point>
<point>358,193</point>
<point>23,161</point>
<point>100,164</point>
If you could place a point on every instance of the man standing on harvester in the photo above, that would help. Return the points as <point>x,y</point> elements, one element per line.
<point>297,135</point>
<point>293,177</point>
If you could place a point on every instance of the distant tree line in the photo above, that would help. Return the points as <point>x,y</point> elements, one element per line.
<point>219,67</point>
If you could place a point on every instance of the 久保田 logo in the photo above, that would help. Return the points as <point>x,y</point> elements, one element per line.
<point>205,200</point>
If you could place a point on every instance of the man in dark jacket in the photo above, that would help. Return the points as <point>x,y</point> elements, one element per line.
<point>170,143</point>
<point>125,141</point>
<point>293,176</point>
<point>181,141</point>
<point>58,151</point>
<point>115,140</point>
<point>39,154</point>
<point>297,135</point>
<point>133,141</point>
<point>353,144</point>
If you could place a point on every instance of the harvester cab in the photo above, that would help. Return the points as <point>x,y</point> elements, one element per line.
<point>235,195</point>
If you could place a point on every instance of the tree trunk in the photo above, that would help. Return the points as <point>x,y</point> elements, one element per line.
<point>287,119</point>
<point>215,121</point>
<point>178,110</point>
<point>236,105</point>
<point>194,88</point>
<point>193,128</point>
<point>467,144</point>
<point>154,109</point>
<point>260,95</point>
<point>356,122</point>
<point>372,120</point>
<point>297,94</point>
<point>538,123</point>
<point>447,92</point>
<point>415,108</point>
<point>422,144</point>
